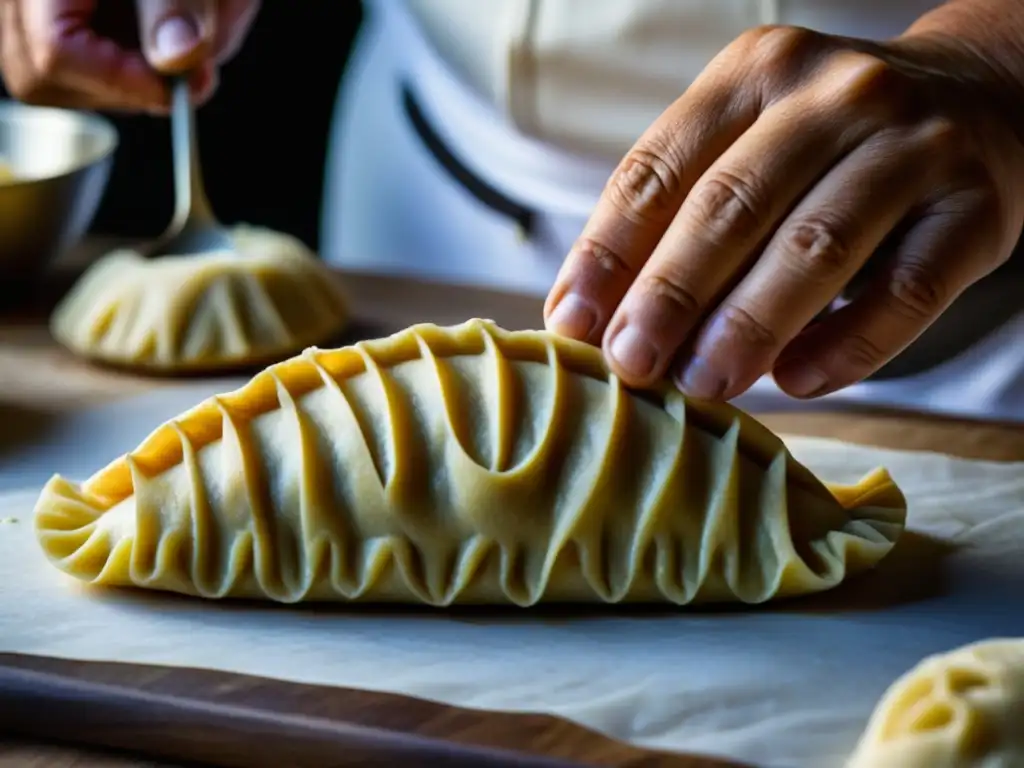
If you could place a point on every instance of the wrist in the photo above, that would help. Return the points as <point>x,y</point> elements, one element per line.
<point>978,44</point>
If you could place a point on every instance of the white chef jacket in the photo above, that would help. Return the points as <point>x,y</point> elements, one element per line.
<point>591,75</point>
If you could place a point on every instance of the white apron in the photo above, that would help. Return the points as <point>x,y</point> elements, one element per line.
<point>426,178</point>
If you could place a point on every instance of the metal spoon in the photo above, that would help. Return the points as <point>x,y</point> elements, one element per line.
<point>193,230</point>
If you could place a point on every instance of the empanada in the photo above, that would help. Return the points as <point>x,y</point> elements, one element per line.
<point>464,465</point>
<point>962,709</point>
<point>266,300</point>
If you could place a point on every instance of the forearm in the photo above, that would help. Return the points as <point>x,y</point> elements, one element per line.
<point>988,36</point>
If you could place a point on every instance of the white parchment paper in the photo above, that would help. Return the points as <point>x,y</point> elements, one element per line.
<point>790,685</point>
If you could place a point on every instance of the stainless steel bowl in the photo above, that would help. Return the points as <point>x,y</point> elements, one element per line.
<point>61,162</point>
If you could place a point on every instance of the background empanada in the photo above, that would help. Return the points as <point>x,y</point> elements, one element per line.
<point>962,709</point>
<point>267,299</point>
<point>464,465</point>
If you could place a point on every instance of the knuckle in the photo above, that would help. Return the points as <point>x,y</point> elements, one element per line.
<point>866,84</point>
<point>745,327</point>
<point>772,38</point>
<point>815,249</point>
<point>754,39</point>
<point>779,47</point>
<point>915,292</point>
<point>866,74</point>
<point>943,136</point>
<point>860,353</point>
<point>728,206</point>
<point>751,37</point>
<point>778,56</point>
<point>670,291</point>
<point>593,256</point>
<point>645,186</point>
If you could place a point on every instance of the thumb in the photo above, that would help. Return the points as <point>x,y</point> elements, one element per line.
<point>177,35</point>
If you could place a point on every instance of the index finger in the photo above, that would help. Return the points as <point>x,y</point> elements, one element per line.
<point>65,51</point>
<point>640,200</point>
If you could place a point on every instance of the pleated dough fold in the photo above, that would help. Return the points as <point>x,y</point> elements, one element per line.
<point>962,709</point>
<point>464,465</point>
<point>266,300</point>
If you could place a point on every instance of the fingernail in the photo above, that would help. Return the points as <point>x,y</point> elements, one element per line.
<point>800,379</point>
<point>176,36</point>
<point>573,317</point>
<point>699,380</point>
<point>633,352</point>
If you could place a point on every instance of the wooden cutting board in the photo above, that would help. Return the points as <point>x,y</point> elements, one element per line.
<point>236,720</point>
<point>195,716</point>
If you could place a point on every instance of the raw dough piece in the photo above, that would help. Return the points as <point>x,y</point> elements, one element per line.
<point>266,300</point>
<point>963,709</point>
<point>464,465</point>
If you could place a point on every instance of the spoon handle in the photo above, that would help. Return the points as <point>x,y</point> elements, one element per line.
<point>190,201</point>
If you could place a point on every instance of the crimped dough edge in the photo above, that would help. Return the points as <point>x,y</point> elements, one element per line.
<point>875,505</point>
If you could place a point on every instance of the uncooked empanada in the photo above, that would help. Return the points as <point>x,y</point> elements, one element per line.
<point>266,300</point>
<point>464,465</point>
<point>962,709</point>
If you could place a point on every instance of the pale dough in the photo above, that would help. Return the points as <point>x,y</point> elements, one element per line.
<point>962,709</point>
<point>267,299</point>
<point>465,465</point>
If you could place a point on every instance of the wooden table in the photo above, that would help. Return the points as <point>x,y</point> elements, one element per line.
<point>234,720</point>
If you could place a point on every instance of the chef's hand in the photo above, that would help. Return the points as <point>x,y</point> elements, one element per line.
<point>51,55</point>
<point>746,208</point>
